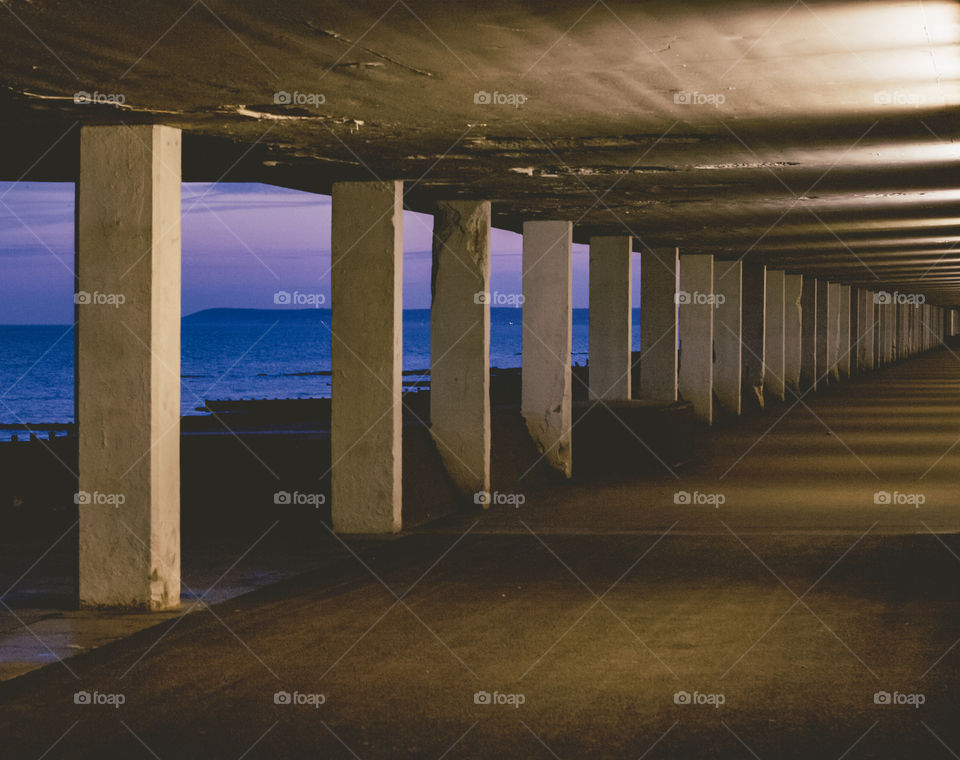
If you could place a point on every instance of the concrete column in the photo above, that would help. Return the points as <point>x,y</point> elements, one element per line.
<point>865,330</point>
<point>611,317</point>
<point>888,312</point>
<point>833,330</point>
<point>128,366</point>
<point>696,307</point>
<point>367,322</point>
<point>792,330</point>
<point>754,306</point>
<point>900,315</point>
<point>855,331</point>
<point>773,335</point>
<point>877,331</point>
<point>824,314</point>
<point>460,343</point>
<point>843,334</point>
<point>658,325</point>
<point>809,374</point>
<point>727,335</point>
<point>547,324</point>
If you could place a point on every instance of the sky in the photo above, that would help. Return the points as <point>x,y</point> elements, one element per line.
<point>242,243</point>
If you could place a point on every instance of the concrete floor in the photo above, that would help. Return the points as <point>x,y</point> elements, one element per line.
<point>797,600</point>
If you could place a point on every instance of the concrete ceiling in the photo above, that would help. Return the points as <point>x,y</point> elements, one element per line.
<point>817,137</point>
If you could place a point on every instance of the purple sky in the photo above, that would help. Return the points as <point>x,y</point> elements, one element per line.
<point>241,244</point>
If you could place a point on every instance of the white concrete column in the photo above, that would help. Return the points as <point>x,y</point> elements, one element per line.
<point>888,313</point>
<point>900,331</point>
<point>773,335</point>
<point>754,306</point>
<point>855,331</point>
<point>611,317</point>
<point>809,374</point>
<point>792,330</point>
<point>833,330</point>
<point>865,330</point>
<point>367,330</point>
<point>727,337</point>
<point>877,331</point>
<point>843,334</point>
<point>460,342</point>
<point>547,325</point>
<point>824,313</point>
<point>658,325</point>
<point>128,366</point>
<point>695,312</point>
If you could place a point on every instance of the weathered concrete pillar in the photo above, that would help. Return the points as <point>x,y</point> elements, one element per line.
<point>888,313</point>
<point>128,366</point>
<point>809,374</point>
<point>773,335</point>
<point>855,330</point>
<point>696,308</point>
<point>900,315</point>
<point>611,317</point>
<point>658,324</point>
<point>366,324</point>
<point>865,330</point>
<point>727,335</point>
<point>754,306</point>
<point>547,324</point>
<point>843,334</point>
<point>833,330</point>
<point>877,331</point>
<point>824,313</point>
<point>460,342</point>
<point>792,330</point>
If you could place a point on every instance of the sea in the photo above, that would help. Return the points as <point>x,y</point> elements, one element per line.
<point>234,354</point>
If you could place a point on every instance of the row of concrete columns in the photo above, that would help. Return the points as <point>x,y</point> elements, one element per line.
<point>711,331</point>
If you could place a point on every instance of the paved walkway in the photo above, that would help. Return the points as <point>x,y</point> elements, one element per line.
<point>782,612</point>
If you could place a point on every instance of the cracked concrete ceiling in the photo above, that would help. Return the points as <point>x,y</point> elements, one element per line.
<point>817,137</point>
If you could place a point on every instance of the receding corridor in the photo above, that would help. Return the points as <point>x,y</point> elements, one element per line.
<point>793,605</point>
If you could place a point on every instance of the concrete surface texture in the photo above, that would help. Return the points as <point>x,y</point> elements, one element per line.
<point>546,344</point>
<point>696,307</point>
<point>659,273</point>
<point>611,317</point>
<point>460,343</point>
<point>367,347</point>
<point>816,136</point>
<point>600,605</point>
<point>128,348</point>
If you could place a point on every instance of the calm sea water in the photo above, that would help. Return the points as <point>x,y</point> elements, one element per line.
<point>234,353</point>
